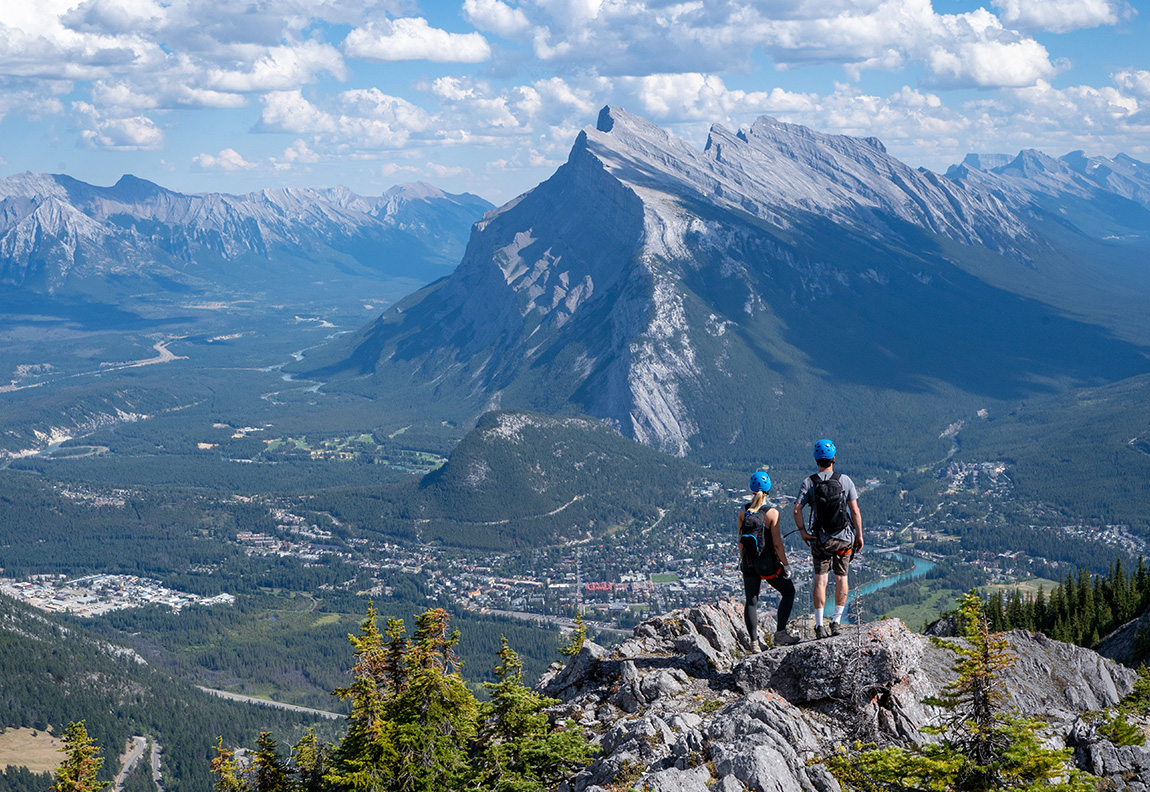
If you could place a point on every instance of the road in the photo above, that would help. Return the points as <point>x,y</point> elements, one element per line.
<point>132,754</point>
<point>269,703</point>
<point>156,766</point>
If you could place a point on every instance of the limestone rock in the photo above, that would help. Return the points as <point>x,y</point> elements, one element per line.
<point>685,706</point>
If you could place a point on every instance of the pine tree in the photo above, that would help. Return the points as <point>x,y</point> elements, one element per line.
<point>269,771</point>
<point>1040,612</point>
<point>578,636</point>
<point>82,762</point>
<point>518,750</point>
<point>435,717</point>
<point>225,769</point>
<point>983,749</point>
<point>364,759</point>
<point>310,758</point>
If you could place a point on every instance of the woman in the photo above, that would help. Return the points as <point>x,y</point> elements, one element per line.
<point>763,557</point>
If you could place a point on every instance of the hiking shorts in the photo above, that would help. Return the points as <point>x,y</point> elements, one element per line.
<point>833,553</point>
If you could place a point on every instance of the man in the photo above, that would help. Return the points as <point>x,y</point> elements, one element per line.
<point>836,532</point>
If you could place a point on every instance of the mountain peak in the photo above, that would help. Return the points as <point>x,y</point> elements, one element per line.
<point>133,189</point>
<point>415,191</point>
<point>985,162</point>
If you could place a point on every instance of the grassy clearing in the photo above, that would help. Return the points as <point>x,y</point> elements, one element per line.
<point>928,609</point>
<point>665,577</point>
<point>39,753</point>
<point>330,618</point>
<point>1027,587</point>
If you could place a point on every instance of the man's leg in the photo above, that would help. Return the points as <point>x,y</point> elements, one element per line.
<point>819,595</point>
<point>842,586</point>
<point>841,589</point>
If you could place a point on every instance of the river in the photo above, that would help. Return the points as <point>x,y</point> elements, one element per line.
<point>921,567</point>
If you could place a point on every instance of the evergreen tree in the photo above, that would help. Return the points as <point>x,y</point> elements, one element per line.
<point>364,759</point>
<point>269,772</point>
<point>435,716</point>
<point>983,749</point>
<point>82,762</point>
<point>225,770</point>
<point>310,762</point>
<point>578,636</point>
<point>518,751</point>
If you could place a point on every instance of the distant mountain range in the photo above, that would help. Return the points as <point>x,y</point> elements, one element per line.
<point>779,285</point>
<point>62,236</point>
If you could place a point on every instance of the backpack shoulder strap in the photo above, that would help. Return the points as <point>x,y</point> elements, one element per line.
<point>836,476</point>
<point>814,477</point>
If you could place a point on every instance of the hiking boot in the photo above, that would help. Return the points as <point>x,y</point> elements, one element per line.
<point>821,631</point>
<point>836,628</point>
<point>784,638</point>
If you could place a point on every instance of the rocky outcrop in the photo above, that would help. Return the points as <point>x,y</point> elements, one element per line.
<point>685,705</point>
<point>1129,643</point>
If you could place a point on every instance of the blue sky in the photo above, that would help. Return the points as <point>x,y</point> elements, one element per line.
<point>486,96</point>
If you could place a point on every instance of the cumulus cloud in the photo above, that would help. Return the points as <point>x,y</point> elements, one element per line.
<point>228,160</point>
<point>1136,82</point>
<point>1061,16</point>
<point>114,17</point>
<point>131,133</point>
<point>643,39</point>
<point>990,63</point>
<point>299,151</point>
<point>280,68</point>
<point>411,38</point>
<point>358,120</point>
<point>496,17</point>
<point>445,171</point>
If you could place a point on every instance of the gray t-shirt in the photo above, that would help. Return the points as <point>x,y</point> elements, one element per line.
<point>848,487</point>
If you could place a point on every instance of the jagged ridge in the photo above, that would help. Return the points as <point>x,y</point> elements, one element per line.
<point>54,229</point>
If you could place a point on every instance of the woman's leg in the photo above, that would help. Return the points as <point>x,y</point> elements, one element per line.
<point>786,589</point>
<point>751,586</point>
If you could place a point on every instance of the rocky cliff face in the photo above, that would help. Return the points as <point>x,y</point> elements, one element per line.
<point>684,707</point>
<point>699,299</point>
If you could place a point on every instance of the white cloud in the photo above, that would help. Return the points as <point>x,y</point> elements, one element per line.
<point>1136,82</point>
<point>1060,16</point>
<point>299,151</point>
<point>113,17</point>
<point>280,68</point>
<point>131,133</point>
<point>990,64</point>
<point>289,111</point>
<point>482,107</point>
<point>645,39</point>
<point>445,171</point>
<point>411,38</point>
<point>228,160</point>
<point>391,169</point>
<point>358,120</point>
<point>496,17</point>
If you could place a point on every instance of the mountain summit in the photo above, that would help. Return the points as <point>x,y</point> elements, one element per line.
<point>776,280</point>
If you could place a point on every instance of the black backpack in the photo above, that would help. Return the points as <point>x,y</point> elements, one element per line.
<point>828,502</point>
<point>759,551</point>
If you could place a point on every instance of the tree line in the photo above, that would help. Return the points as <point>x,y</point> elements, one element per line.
<point>1080,610</point>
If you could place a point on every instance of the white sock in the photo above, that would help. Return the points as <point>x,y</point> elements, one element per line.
<point>819,617</point>
<point>838,617</point>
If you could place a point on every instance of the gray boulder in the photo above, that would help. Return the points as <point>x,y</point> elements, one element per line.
<point>684,705</point>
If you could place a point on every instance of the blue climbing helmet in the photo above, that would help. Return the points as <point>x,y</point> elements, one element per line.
<point>825,449</point>
<point>760,482</point>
